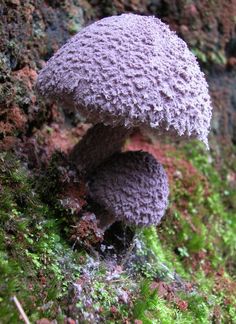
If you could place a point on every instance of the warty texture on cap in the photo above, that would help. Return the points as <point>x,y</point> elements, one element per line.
<point>132,186</point>
<point>131,70</point>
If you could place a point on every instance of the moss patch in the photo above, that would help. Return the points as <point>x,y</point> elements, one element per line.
<point>36,264</point>
<point>181,272</point>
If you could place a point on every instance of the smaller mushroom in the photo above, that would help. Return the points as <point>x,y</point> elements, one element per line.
<point>131,187</point>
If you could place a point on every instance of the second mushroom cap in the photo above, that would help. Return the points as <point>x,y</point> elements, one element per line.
<point>132,187</point>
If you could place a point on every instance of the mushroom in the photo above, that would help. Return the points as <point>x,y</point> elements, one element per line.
<point>123,72</point>
<point>130,187</point>
<point>119,73</point>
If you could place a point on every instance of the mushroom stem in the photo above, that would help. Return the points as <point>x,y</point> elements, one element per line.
<point>105,219</point>
<point>98,144</point>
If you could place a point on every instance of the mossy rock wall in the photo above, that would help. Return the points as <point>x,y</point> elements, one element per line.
<point>181,272</point>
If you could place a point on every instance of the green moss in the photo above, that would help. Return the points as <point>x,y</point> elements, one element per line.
<point>199,221</point>
<point>36,264</point>
<point>207,57</point>
<point>220,218</point>
<point>150,308</point>
<point>165,260</point>
<point>200,55</point>
<point>194,244</point>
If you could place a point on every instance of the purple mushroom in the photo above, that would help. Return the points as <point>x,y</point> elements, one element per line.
<point>123,72</point>
<point>131,187</point>
<point>119,73</point>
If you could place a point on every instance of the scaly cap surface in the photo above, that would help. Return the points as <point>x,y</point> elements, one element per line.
<point>131,70</point>
<point>132,186</point>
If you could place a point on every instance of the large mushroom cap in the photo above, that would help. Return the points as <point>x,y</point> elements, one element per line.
<point>131,70</point>
<point>132,187</point>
